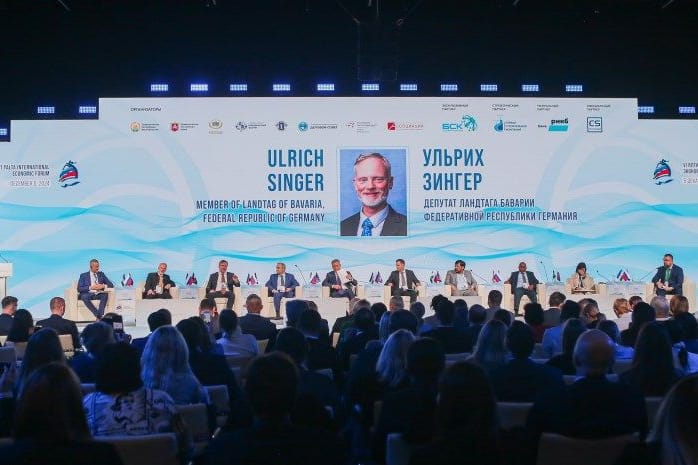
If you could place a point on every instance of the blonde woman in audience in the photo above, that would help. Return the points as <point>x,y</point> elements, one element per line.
<point>624,315</point>
<point>391,366</point>
<point>490,351</point>
<point>678,305</point>
<point>165,366</point>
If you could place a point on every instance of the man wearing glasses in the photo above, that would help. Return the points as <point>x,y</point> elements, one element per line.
<point>372,182</point>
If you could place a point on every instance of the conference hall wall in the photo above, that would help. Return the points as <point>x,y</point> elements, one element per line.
<point>259,180</point>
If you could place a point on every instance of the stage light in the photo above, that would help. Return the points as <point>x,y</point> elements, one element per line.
<point>198,87</point>
<point>408,87</point>
<point>646,109</point>
<point>281,87</point>
<point>325,87</point>
<point>3,131</point>
<point>449,87</point>
<point>238,87</point>
<point>574,88</point>
<point>687,110</point>
<point>489,87</point>
<point>370,87</point>
<point>45,110</point>
<point>160,87</point>
<point>87,109</point>
<point>530,88</point>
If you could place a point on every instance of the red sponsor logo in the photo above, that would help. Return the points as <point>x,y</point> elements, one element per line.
<point>391,125</point>
<point>174,127</point>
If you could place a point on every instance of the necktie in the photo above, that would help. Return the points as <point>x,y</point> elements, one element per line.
<point>403,281</point>
<point>667,274</point>
<point>366,228</point>
<point>281,280</point>
<point>96,279</point>
<point>523,276</point>
<point>581,282</point>
<point>336,276</point>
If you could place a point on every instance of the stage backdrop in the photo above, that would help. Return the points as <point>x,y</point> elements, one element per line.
<point>259,180</point>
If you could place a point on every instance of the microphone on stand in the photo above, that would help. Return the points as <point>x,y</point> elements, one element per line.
<point>604,277</point>
<point>483,279</point>
<point>547,279</point>
<point>305,281</point>
<point>643,277</point>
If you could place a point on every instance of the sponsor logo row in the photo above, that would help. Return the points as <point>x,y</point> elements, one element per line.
<point>466,124</point>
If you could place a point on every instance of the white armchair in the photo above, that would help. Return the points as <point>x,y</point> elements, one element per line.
<point>75,308</point>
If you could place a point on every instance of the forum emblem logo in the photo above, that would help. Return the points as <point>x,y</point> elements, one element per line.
<point>135,126</point>
<point>215,124</point>
<point>302,126</point>
<point>69,175</point>
<point>174,126</point>
<point>282,125</point>
<point>662,173</point>
<point>240,126</point>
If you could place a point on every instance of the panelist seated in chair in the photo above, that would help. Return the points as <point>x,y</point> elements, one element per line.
<point>460,280</point>
<point>280,285</point>
<point>341,282</point>
<point>581,282</point>
<point>523,283</point>
<point>93,285</point>
<point>403,282</point>
<point>158,284</point>
<point>669,278</point>
<point>221,284</point>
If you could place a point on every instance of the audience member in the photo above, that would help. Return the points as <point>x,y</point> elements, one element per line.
<point>551,317</point>
<point>9,307</point>
<point>95,338</point>
<point>660,304</point>
<point>452,340</point>
<point>60,324</point>
<point>254,323</point>
<point>642,313</point>
<point>552,337</point>
<point>50,424</point>
<point>121,405</point>
<point>320,353</point>
<point>432,321</point>
<point>505,316</point>
<point>272,388</point>
<point>294,309</point>
<point>634,300</point>
<point>611,330</point>
<point>466,421</point>
<point>678,305</point>
<point>418,310</point>
<point>685,361</point>
<point>534,318</point>
<point>43,348</point>
<point>571,330</point>
<point>22,328</point>
<point>460,320</point>
<point>591,315</point>
<point>378,309</point>
<point>355,343</point>
<point>476,317</point>
<point>592,407</point>
<point>161,317</point>
<point>233,341</point>
<point>652,370</point>
<point>490,351</point>
<point>621,308</point>
<point>494,302</point>
<point>411,410</point>
<point>391,368</point>
<point>165,366</point>
<point>521,379</point>
<point>395,304</point>
<point>208,311</point>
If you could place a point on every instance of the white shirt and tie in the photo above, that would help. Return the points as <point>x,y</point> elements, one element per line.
<point>222,283</point>
<point>377,222</point>
<point>522,280</point>
<point>281,283</point>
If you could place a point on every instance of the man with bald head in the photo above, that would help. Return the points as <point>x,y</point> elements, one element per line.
<point>592,407</point>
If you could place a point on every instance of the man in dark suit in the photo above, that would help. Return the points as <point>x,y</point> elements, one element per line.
<point>355,342</point>
<point>93,285</point>
<point>453,342</point>
<point>551,317</point>
<point>521,379</point>
<point>158,284</point>
<point>522,283</point>
<point>340,282</point>
<point>592,407</point>
<point>9,307</point>
<point>494,304</point>
<point>669,278</point>
<point>60,324</point>
<point>280,285</point>
<point>221,284</point>
<point>161,317</point>
<point>372,182</point>
<point>402,282</point>
<point>255,324</point>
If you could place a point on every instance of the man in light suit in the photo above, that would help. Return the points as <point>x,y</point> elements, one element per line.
<point>403,282</point>
<point>461,280</point>
<point>158,284</point>
<point>93,285</point>
<point>522,283</point>
<point>221,284</point>
<point>280,285</point>
<point>340,282</point>
<point>669,278</point>
<point>372,182</point>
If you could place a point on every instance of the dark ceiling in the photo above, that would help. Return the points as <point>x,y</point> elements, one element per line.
<point>616,48</point>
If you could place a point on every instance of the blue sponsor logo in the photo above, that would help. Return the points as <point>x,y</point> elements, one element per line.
<point>303,126</point>
<point>558,125</point>
<point>466,123</point>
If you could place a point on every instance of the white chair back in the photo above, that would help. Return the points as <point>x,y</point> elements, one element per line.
<point>554,449</point>
<point>153,449</point>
